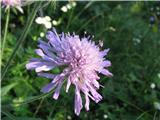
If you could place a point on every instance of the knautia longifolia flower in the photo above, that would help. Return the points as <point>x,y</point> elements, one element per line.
<point>83,60</point>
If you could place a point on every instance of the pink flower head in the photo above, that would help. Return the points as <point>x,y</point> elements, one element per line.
<point>11,2</point>
<point>83,60</point>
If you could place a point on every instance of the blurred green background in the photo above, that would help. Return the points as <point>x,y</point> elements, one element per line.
<point>132,32</point>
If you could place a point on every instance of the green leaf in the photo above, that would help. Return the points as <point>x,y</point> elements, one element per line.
<point>7,88</point>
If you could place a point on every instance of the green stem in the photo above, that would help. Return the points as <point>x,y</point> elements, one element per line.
<point>70,17</point>
<point>90,20</point>
<point>28,100</point>
<point>154,118</point>
<point>22,37</point>
<point>38,107</point>
<point>5,31</point>
<point>141,115</point>
<point>85,7</point>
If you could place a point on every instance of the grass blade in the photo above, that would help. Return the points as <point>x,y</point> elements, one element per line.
<point>5,112</point>
<point>31,99</point>
<point>5,31</point>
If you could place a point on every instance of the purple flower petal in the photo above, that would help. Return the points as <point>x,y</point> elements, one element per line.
<point>68,84</point>
<point>47,75</point>
<point>47,50</point>
<point>104,53</point>
<point>97,97</point>
<point>87,102</point>
<point>56,94</point>
<point>45,57</point>
<point>48,87</point>
<point>106,72</point>
<point>54,40</point>
<point>78,102</point>
<point>33,65</point>
<point>44,68</point>
<point>106,63</point>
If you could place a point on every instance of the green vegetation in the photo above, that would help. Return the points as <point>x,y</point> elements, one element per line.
<point>133,93</point>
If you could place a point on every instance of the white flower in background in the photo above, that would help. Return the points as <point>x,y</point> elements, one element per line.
<point>39,20</point>
<point>105,116</point>
<point>17,100</point>
<point>42,34</point>
<point>48,25</point>
<point>69,117</point>
<point>73,4</point>
<point>112,29</point>
<point>56,22</point>
<point>156,105</point>
<point>68,6</point>
<point>152,85</point>
<point>136,41</point>
<point>46,21</point>
<point>64,9</point>
<point>158,75</point>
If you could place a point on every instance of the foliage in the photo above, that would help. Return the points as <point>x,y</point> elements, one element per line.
<point>134,45</point>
